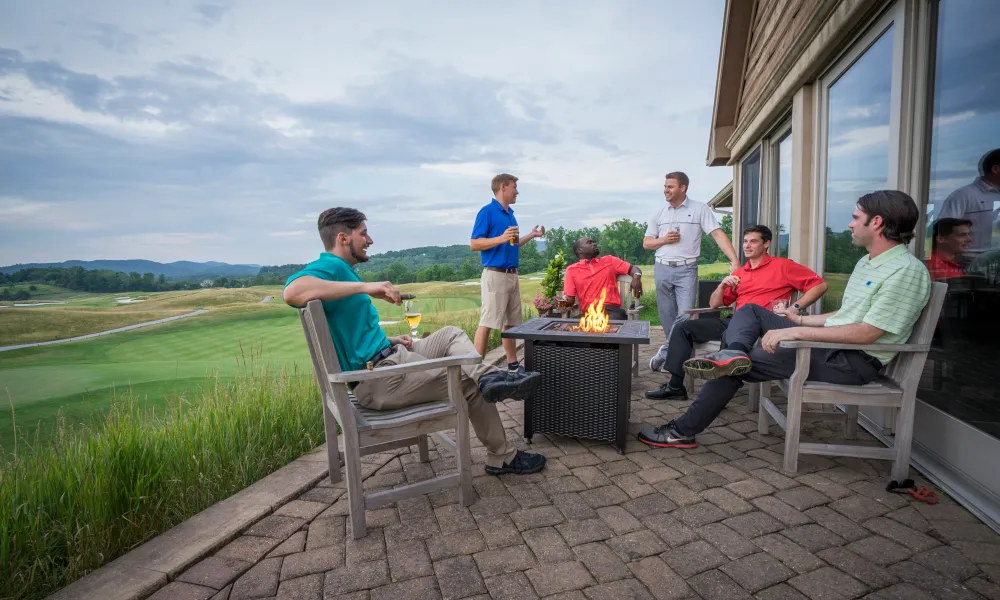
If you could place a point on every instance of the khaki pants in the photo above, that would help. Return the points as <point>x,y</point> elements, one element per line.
<point>501,295</point>
<point>398,391</point>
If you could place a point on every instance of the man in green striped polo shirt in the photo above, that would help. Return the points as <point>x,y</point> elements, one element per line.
<point>883,300</point>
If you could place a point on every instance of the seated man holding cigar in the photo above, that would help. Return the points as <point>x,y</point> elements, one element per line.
<point>764,280</point>
<point>361,343</point>
<point>593,274</point>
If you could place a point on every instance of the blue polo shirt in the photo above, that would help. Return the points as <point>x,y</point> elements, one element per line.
<point>491,222</point>
<point>353,321</point>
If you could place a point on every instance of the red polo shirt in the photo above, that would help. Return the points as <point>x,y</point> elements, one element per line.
<point>774,278</point>
<point>585,280</point>
<point>942,268</point>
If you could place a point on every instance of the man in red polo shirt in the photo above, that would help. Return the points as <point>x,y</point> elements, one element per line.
<point>762,280</point>
<point>951,239</point>
<point>592,274</point>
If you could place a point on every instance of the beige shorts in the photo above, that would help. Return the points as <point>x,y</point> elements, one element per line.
<point>501,294</point>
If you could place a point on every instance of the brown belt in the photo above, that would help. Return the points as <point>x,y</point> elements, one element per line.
<point>500,270</point>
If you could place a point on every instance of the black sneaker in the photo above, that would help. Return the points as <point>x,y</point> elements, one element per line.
<point>523,463</point>
<point>665,436</point>
<point>718,364</point>
<point>665,392</point>
<point>504,385</point>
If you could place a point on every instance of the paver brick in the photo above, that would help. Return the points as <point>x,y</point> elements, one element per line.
<point>409,560</point>
<point>949,562</point>
<point>312,561</point>
<point>636,545</point>
<point>296,543</point>
<point>302,509</point>
<point>618,467</point>
<point>591,477</point>
<point>326,495</point>
<point>813,537</point>
<point>670,530</point>
<point>828,488</point>
<point>215,572</point>
<point>698,515</point>
<point>910,517</point>
<point>984,588</point>
<point>772,477</point>
<point>696,557</point>
<point>498,531</point>
<point>879,550</point>
<point>370,547</point>
<point>633,485</point>
<point>423,588</point>
<point>727,501</point>
<point>649,505</point>
<point>878,493</point>
<point>309,587</point>
<point>901,534</point>
<point>661,580</point>
<point>583,532</point>
<point>703,480</point>
<point>547,545</point>
<point>860,568</point>
<point>458,577</point>
<point>955,531</point>
<point>260,581</point>
<point>781,511</point>
<point>326,532</point>
<point>602,562</point>
<point>355,578</point>
<point>726,540</point>
<point>177,590</point>
<point>979,552</point>
<point>859,508</point>
<point>572,506</point>
<point>495,505</point>
<point>802,497</point>
<point>249,548</point>
<point>749,489</point>
<point>627,589</point>
<point>782,591</point>
<point>454,517</point>
<point>619,520</point>
<point>678,493</point>
<point>757,571</point>
<point>900,591</point>
<point>753,524</point>
<point>926,579</point>
<point>837,523</point>
<point>828,584</point>
<point>716,584</point>
<point>604,496</point>
<point>511,586</point>
<point>457,544</point>
<point>528,495</point>
<point>505,560</point>
<point>559,577</point>
<point>276,526</point>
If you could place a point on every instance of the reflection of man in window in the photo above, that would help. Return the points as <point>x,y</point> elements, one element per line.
<point>974,202</point>
<point>952,238</point>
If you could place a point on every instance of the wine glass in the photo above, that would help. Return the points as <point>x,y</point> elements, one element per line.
<point>411,311</point>
<point>779,306</point>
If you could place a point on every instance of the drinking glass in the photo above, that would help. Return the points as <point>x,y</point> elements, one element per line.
<point>411,310</point>
<point>779,306</point>
<point>674,228</point>
<point>513,242</point>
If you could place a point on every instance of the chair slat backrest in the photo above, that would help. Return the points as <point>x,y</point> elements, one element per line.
<point>625,291</point>
<point>324,359</point>
<point>906,367</point>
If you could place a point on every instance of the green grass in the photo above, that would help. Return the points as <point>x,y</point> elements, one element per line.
<point>92,493</point>
<point>44,292</point>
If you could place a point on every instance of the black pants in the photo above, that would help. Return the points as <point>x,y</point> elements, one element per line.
<point>686,334</point>
<point>615,313</point>
<point>750,323</point>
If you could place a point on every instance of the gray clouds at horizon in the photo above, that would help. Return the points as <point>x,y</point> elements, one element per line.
<point>219,130</point>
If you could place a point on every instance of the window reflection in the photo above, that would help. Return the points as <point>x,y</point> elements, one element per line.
<point>962,244</point>
<point>784,193</point>
<point>857,155</point>
<point>749,192</point>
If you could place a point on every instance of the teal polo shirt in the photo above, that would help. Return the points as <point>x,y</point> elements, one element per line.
<point>353,321</point>
<point>888,292</point>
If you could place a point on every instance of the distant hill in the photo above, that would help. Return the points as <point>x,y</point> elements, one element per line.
<point>417,258</point>
<point>174,270</point>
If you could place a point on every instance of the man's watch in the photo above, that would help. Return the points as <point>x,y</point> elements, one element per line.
<point>638,273</point>
<point>796,306</point>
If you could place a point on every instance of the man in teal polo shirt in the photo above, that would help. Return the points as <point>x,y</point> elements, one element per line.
<point>883,300</point>
<point>360,342</point>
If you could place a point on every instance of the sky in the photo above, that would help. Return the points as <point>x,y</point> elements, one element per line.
<point>220,129</point>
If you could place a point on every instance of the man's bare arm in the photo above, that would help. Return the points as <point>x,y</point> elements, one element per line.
<point>812,295</point>
<point>304,289</point>
<point>856,333</point>
<point>813,320</point>
<point>726,245</point>
<point>652,243</point>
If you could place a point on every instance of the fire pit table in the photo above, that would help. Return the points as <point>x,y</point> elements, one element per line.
<point>586,385</point>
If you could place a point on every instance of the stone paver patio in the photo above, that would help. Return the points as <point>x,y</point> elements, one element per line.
<point>721,521</point>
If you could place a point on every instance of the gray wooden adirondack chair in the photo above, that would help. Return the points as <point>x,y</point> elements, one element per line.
<point>367,431</point>
<point>632,309</point>
<point>896,387</point>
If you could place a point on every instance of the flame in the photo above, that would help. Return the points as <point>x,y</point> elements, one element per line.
<point>595,320</point>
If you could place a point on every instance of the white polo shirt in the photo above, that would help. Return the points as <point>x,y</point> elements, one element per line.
<point>975,203</point>
<point>693,218</point>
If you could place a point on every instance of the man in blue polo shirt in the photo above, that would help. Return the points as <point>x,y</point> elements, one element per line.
<point>495,237</point>
<point>360,343</point>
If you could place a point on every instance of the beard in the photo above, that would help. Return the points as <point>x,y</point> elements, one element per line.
<point>358,253</point>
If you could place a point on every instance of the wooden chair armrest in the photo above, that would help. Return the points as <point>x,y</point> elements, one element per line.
<point>863,347</point>
<point>694,313</point>
<point>414,367</point>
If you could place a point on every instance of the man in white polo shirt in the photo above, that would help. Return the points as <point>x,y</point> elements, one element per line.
<point>674,231</point>
<point>975,202</point>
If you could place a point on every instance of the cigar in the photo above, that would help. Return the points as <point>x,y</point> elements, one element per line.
<point>407,296</point>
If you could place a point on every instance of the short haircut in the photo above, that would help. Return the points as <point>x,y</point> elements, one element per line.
<point>679,176</point>
<point>945,227</point>
<point>898,211</point>
<point>989,160</point>
<point>763,230</point>
<point>333,221</point>
<point>501,180</point>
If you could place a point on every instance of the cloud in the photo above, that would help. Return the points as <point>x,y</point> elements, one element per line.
<point>211,13</point>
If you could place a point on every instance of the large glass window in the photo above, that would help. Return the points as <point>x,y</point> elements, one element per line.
<point>962,244</point>
<point>859,113</point>
<point>783,200</point>
<point>749,192</point>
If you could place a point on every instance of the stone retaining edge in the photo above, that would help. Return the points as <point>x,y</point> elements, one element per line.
<point>139,573</point>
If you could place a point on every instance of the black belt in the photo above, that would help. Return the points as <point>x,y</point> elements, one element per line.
<point>373,362</point>
<point>502,270</point>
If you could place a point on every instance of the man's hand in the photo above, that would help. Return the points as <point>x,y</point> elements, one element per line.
<point>789,313</point>
<point>636,286</point>
<point>730,281</point>
<point>772,338</point>
<point>672,237</point>
<point>510,235</point>
<point>538,231</point>
<point>403,340</point>
<point>384,290</point>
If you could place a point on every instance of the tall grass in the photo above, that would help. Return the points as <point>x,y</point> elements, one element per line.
<point>92,493</point>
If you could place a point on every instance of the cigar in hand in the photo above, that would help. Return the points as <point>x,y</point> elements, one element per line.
<point>407,296</point>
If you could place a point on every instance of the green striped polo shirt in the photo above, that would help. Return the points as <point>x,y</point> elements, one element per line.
<point>888,292</point>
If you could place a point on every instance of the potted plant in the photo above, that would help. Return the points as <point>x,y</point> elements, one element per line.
<point>552,284</point>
